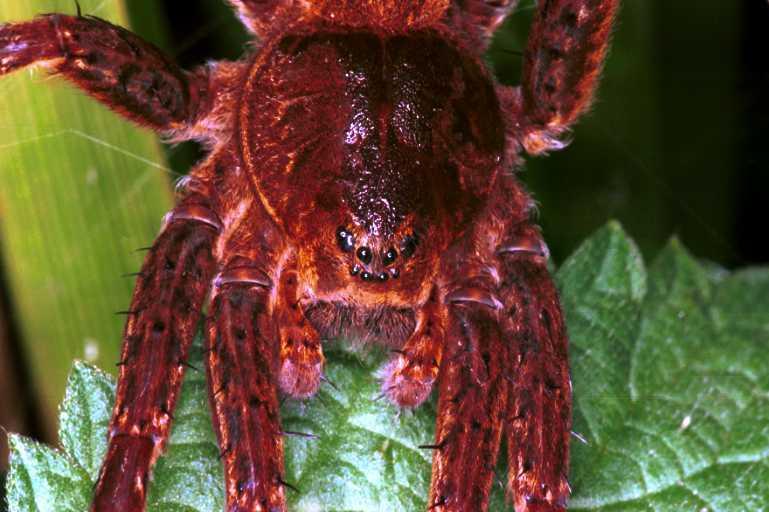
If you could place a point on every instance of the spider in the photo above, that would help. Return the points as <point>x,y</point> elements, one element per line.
<point>356,186</point>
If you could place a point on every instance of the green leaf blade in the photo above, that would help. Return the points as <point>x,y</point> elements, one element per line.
<point>695,419</point>
<point>80,190</point>
<point>84,416</point>
<point>602,285</point>
<point>42,480</point>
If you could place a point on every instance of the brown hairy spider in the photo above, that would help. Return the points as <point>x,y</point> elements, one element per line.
<point>356,186</point>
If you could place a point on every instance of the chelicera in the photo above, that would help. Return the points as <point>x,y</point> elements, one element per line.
<point>357,184</point>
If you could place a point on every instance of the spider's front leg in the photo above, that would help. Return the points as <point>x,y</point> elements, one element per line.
<point>161,323</point>
<point>258,342</point>
<point>505,369</point>
<point>242,366</point>
<point>538,417</point>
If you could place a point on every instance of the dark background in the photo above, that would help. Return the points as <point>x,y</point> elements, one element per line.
<point>675,144</point>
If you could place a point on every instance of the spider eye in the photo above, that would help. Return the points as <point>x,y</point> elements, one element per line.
<point>345,239</point>
<point>390,256</point>
<point>364,254</point>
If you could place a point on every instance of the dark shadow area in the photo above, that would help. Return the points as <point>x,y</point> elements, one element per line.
<point>753,166</point>
<point>670,148</point>
<point>18,405</point>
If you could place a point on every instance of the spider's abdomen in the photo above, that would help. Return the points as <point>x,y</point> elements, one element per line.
<point>384,129</point>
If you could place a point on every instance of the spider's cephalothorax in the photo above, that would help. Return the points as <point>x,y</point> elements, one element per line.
<point>356,186</point>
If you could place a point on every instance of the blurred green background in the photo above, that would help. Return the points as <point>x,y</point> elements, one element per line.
<point>673,145</point>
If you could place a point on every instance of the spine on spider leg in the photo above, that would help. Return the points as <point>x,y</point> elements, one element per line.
<point>538,421</point>
<point>242,365</point>
<point>473,397</point>
<point>161,324</point>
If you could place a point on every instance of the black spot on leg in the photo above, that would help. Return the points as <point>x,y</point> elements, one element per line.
<point>550,85</point>
<point>555,52</point>
<point>551,386</point>
<point>547,322</point>
<point>234,297</point>
<point>569,18</point>
<point>233,425</point>
<point>438,503</point>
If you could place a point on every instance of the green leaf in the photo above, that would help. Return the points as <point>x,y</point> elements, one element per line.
<point>45,480</point>
<point>80,190</point>
<point>84,416</point>
<point>670,387</point>
<point>683,423</point>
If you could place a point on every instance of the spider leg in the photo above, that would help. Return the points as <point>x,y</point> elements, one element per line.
<point>473,397</point>
<point>564,56</point>
<point>243,362</point>
<point>118,68</point>
<point>506,367</point>
<point>242,377</point>
<point>162,320</point>
<point>301,354</point>
<point>538,419</point>
<point>408,378</point>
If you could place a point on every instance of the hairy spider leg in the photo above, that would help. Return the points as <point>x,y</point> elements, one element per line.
<point>164,313</point>
<point>471,410</point>
<point>564,56</point>
<point>408,378</point>
<point>126,73</point>
<point>301,354</point>
<point>136,80</point>
<point>506,368</point>
<point>244,353</point>
<point>538,419</point>
<point>242,366</point>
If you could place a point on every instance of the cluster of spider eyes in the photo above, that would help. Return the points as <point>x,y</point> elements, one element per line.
<point>346,242</point>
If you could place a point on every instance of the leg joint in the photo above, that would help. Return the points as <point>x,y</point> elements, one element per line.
<point>243,275</point>
<point>195,212</point>
<point>474,294</point>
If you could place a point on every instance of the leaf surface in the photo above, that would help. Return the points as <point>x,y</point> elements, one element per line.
<point>670,386</point>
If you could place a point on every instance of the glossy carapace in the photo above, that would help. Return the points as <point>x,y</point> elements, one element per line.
<point>393,141</point>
